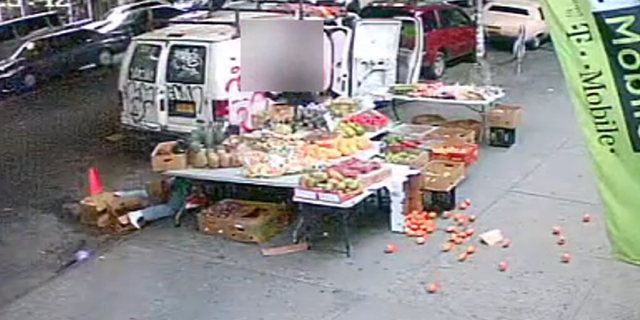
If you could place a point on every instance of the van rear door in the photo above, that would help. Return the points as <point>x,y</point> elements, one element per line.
<point>139,88</point>
<point>339,41</point>
<point>374,55</point>
<point>411,50</point>
<point>185,88</point>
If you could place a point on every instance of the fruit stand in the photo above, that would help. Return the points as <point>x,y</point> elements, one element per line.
<point>476,99</point>
<point>326,159</point>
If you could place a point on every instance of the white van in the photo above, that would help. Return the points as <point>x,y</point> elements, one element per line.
<point>175,79</point>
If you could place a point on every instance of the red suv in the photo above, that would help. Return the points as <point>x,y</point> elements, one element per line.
<point>449,33</point>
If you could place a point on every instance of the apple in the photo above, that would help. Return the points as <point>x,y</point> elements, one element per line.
<point>565,258</point>
<point>556,230</point>
<point>421,240</point>
<point>506,243</point>
<point>586,218</point>
<point>503,266</point>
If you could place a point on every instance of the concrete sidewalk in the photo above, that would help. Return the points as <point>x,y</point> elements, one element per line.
<point>543,181</point>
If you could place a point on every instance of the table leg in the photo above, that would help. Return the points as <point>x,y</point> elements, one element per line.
<point>483,116</point>
<point>299,223</point>
<point>344,216</point>
<point>394,109</point>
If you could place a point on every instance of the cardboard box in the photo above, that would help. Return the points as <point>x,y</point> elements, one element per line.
<point>504,116</point>
<point>159,190</point>
<point>244,221</point>
<point>457,134</point>
<point>442,176</point>
<point>163,158</point>
<point>93,208</point>
<point>105,210</point>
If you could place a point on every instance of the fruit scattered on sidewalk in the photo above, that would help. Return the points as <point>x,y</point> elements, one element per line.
<point>463,256</point>
<point>433,287</point>
<point>506,243</point>
<point>503,266</point>
<point>586,218</point>
<point>565,258</point>
<point>421,240</point>
<point>556,230</point>
<point>562,240</point>
<point>391,248</point>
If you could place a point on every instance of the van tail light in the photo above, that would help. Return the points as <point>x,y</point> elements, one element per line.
<point>220,108</point>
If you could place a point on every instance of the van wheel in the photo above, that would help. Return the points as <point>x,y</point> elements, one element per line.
<point>29,81</point>
<point>535,43</point>
<point>105,58</point>
<point>437,68</point>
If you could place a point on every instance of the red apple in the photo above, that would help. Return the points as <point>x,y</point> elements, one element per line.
<point>433,287</point>
<point>506,243</point>
<point>565,258</point>
<point>556,230</point>
<point>503,266</point>
<point>586,218</point>
<point>472,218</point>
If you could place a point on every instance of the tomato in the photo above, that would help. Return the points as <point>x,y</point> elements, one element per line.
<point>390,248</point>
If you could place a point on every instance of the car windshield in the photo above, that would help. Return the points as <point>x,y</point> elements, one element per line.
<point>384,12</point>
<point>28,50</point>
<point>509,10</point>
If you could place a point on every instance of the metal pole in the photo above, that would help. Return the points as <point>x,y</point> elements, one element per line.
<point>24,8</point>
<point>480,38</point>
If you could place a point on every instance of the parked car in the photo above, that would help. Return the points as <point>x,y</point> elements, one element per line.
<point>137,19</point>
<point>14,33</point>
<point>449,33</point>
<point>465,3</point>
<point>58,54</point>
<point>504,18</point>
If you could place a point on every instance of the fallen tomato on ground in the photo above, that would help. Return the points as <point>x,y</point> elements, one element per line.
<point>390,248</point>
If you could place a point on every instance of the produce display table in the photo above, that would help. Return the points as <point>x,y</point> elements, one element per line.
<point>235,175</point>
<point>478,106</point>
<point>310,209</point>
<point>232,176</point>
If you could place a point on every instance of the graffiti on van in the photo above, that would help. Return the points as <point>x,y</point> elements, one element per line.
<point>242,104</point>
<point>186,93</point>
<point>186,64</point>
<point>140,97</point>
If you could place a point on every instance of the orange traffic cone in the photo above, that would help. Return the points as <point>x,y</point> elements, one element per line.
<point>95,186</point>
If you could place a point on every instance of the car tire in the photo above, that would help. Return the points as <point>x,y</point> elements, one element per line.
<point>535,43</point>
<point>105,59</point>
<point>436,70</point>
<point>29,81</point>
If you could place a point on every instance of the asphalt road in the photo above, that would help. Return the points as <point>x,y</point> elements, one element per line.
<point>49,139</point>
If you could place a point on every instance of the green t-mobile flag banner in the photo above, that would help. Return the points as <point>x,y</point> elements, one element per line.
<point>598,45</point>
